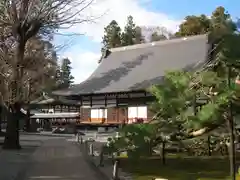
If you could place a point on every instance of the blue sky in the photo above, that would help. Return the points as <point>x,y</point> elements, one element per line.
<point>84,50</point>
<point>182,8</point>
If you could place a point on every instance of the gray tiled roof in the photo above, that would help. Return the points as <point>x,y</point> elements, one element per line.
<point>138,67</point>
<point>45,99</point>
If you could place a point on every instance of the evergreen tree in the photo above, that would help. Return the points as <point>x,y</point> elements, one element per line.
<point>219,24</point>
<point>139,38</point>
<point>157,37</point>
<point>132,34</point>
<point>66,79</point>
<point>221,96</point>
<point>112,35</point>
<point>22,21</point>
<point>129,34</point>
<point>57,77</point>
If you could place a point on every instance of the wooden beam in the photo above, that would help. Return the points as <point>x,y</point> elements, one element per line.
<point>81,101</point>
<point>90,108</point>
<point>145,97</point>
<point>117,104</point>
<point>91,101</point>
<point>105,101</point>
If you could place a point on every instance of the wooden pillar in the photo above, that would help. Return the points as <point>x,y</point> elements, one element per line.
<point>105,104</point>
<point>90,108</point>
<point>105,101</point>
<point>128,96</point>
<point>80,115</point>
<point>145,98</point>
<point>80,109</point>
<point>117,108</point>
<point>126,115</point>
<point>91,101</point>
<point>81,101</point>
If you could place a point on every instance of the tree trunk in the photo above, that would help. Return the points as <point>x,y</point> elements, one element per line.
<point>232,154</point>
<point>1,118</point>
<point>11,140</point>
<point>163,153</point>
<point>28,119</point>
<point>209,145</point>
<point>232,149</point>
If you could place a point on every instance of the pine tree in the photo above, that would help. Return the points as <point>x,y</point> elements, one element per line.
<point>139,38</point>
<point>132,34</point>
<point>66,78</point>
<point>112,35</point>
<point>129,34</point>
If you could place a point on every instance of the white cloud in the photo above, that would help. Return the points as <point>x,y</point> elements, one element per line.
<point>107,10</point>
<point>85,62</point>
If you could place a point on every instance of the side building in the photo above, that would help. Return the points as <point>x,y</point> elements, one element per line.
<point>116,92</point>
<point>54,111</point>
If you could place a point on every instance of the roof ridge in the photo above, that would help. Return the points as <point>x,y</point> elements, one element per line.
<point>156,43</point>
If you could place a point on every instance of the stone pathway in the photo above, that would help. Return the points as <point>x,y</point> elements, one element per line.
<point>14,163</point>
<point>61,160</point>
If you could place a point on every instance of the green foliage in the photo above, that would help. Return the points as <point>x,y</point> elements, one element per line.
<point>194,25</point>
<point>157,37</point>
<point>187,102</point>
<point>218,25</point>
<point>206,145</point>
<point>129,34</point>
<point>139,38</point>
<point>181,91</point>
<point>136,139</point>
<point>176,95</point>
<point>230,53</point>
<point>221,23</point>
<point>64,77</point>
<point>172,94</point>
<point>112,35</point>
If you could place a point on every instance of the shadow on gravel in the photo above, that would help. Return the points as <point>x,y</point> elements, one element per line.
<point>66,168</point>
<point>15,163</point>
<point>24,145</point>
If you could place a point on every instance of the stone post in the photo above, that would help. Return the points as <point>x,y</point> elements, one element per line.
<point>115,170</point>
<point>78,137</point>
<point>91,149</point>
